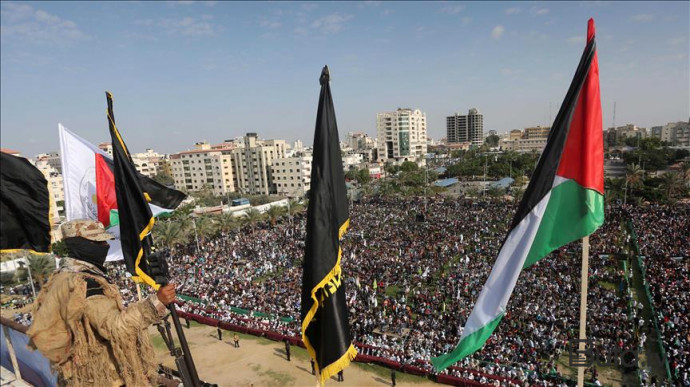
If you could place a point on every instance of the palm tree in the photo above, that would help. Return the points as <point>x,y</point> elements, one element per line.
<point>634,176</point>
<point>42,265</point>
<point>227,222</point>
<point>685,173</point>
<point>205,226</point>
<point>169,232</point>
<point>274,213</point>
<point>672,184</point>
<point>253,216</point>
<point>614,189</point>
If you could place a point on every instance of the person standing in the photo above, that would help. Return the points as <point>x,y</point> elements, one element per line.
<point>287,349</point>
<point>393,378</point>
<point>80,323</point>
<point>220,334</point>
<point>236,338</point>
<point>313,369</point>
<point>340,376</point>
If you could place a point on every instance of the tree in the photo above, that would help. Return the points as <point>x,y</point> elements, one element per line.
<point>253,216</point>
<point>408,166</point>
<point>363,176</point>
<point>634,176</point>
<point>274,213</point>
<point>672,185</point>
<point>492,140</point>
<point>169,232</point>
<point>164,179</point>
<point>227,222</point>
<point>205,226</point>
<point>41,265</point>
<point>614,190</point>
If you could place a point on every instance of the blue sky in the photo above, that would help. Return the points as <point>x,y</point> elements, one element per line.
<point>183,72</point>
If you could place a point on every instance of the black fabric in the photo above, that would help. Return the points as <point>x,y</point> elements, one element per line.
<point>24,205</point>
<point>88,251</point>
<point>545,172</point>
<point>328,332</point>
<point>93,288</point>
<point>133,209</point>
<point>160,195</point>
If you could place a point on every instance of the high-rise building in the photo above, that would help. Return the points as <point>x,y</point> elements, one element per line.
<point>149,163</point>
<point>252,164</point>
<point>466,128</point>
<point>203,168</point>
<point>55,185</point>
<point>292,175</point>
<point>401,135</point>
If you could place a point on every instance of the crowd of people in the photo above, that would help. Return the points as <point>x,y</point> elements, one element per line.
<point>411,285</point>
<point>664,241</point>
<point>412,281</point>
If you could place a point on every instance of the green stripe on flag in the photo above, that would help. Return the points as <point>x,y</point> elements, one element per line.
<point>114,218</point>
<point>572,213</point>
<point>466,346</point>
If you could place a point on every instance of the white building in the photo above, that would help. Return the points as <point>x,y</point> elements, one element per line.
<point>201,168</point>
<point>252,164</point>
<point>56,188</point>
<point>465,128</point>
<point>149,163</point>
<point>292,175</point>
<point>352,160</point>
<point>401,135</point>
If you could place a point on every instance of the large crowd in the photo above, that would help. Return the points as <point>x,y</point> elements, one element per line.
<point>664,242</point>
<point>411,284</point>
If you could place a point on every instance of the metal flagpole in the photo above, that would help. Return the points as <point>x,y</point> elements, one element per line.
<point>583,308</point>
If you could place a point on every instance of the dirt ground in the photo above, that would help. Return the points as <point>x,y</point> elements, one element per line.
<point>262,362</point>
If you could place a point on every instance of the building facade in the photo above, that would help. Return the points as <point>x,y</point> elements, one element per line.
<point>401,135</point>
<point>465,128</point>
<point>292,175</point>
<point>252,164</point>
<point>203,168</point>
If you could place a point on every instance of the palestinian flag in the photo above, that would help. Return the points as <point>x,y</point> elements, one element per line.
<point>325,326</point>
<point>89,184</point>
<point>563,202</point>
<point>24,205</point>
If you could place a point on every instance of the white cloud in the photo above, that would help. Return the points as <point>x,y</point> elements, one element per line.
<point>330,24</point>
<point>186,26</point>
<point>535,11</point>
<point>579,39</point>
<point>26,23</point>
<point>271,25</point>
<point>309,6</point>
<point>452,10</point>
<point>186,2</point>
<point>512,11</point>
<point>301,31</point>
<point>497,32</point>
<point>642,17</point>
<point>677,41</point>
<point>466,20</point>
<point>509,72</point>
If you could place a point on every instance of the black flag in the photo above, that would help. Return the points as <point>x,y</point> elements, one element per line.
<point>325,329</point>
<point>136,219</point>
<point>24,205</point>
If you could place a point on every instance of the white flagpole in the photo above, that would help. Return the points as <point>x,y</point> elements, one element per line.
<point>583,308</point>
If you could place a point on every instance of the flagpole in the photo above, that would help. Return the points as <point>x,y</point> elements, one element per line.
<point>583,308</point>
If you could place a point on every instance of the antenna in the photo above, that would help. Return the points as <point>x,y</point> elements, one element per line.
<point>614,115</point>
